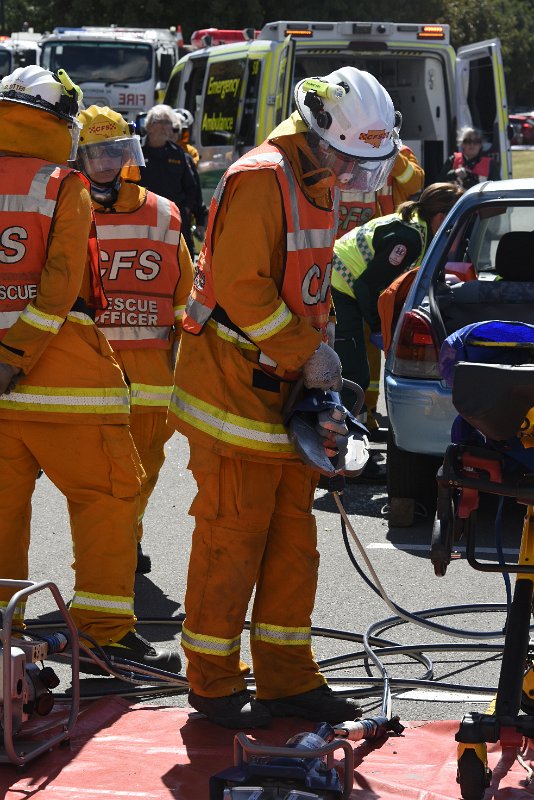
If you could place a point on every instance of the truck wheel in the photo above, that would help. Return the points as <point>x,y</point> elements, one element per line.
<point>411,475</point>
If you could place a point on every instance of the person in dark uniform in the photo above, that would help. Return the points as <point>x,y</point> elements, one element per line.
<point>166,171</point>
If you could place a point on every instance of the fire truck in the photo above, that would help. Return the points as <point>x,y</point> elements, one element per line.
<point>123,68</point>
<point>19,50</point>
<point>239,92</point>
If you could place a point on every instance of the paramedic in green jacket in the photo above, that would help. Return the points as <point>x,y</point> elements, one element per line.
<point>367,259</point>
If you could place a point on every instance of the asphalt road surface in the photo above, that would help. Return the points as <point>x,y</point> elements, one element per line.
<point>345,603</point>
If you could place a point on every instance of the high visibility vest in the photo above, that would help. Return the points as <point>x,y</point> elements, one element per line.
<point>310,234</point>
<point>355,209</point>
<point>138,252</point>
<point>354,253</point>
<point>481,168</point>
<point>54,387</point>
<point>28,198</point>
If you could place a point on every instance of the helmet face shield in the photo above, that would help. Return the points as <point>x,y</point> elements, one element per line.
<point>75,129</point>
<point>108,157</point>
<point>353,173</point>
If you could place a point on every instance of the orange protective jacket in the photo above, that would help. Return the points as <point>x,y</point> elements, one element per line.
<point>222,396</point>
<point>69,373</point>
<point>405,179</point>
<point>147,273</point>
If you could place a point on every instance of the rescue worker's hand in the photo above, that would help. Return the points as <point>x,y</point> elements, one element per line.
<point>333,430</point>
<point>323,369</point>
<point>461,173</point>
<point>330,333</point>
<point>8,377</point>
<point>377,339</point>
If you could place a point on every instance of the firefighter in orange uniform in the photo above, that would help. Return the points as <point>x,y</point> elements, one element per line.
<point>405,179</point>
<point>255,322</point>
<point>147,274</point>
<point>63,401</point>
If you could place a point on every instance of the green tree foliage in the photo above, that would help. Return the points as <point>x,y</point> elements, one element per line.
<point>471,20</point>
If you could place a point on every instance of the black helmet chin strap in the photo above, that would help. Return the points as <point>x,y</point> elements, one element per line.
<point>105,194</point>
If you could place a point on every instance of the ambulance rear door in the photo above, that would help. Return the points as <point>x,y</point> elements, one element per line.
<point>481,98</point>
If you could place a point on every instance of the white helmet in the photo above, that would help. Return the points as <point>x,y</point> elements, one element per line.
<point>41,89</point>
<point>356,126</point>
<point>187,117</point>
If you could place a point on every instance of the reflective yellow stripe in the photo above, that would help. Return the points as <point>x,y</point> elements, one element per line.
<point>79,318</point>
<point>179,311</point>
<point>229,427</point>
<point>231,336</point>
<point>103,603</point>
<point>278,634</point>
<point>213,645</point>
<point>38,319</point>
<point>271,325</point>
<point>143,394</point>
<point>406,175</point>
<point>74,401</point>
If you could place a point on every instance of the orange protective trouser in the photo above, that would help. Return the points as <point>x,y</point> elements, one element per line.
<point>97,468</point>
<point>254,527</point>
<point>149,432</point>
<point>374,357</point>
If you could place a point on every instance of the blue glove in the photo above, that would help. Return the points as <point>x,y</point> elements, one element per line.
<point>377,340</point>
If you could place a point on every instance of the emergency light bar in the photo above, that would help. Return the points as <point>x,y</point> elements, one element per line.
<point>382,32</point>
<point>431,32</point>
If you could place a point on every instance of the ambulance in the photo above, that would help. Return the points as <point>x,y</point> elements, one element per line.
<point>239,92</point>
<point>126,69</point>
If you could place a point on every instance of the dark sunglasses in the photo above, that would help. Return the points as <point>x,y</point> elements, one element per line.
<point>472,141</point>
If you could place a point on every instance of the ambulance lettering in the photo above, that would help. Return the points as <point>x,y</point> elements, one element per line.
<point>314,290</point>
<point>11,247</point>
<point>146,264</point>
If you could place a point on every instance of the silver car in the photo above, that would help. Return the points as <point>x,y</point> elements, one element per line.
<point>479,266</point>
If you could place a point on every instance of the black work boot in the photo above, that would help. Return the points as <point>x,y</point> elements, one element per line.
<point>238,710</point>
<point>144,563</point>
<point>134,647</point>
<point>321,704</point>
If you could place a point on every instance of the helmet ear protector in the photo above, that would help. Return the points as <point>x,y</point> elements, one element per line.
<point>313,99</point>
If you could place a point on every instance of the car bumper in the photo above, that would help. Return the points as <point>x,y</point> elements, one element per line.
<point>420,414</point>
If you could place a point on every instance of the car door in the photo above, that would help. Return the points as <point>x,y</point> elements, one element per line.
<point>481,98</point>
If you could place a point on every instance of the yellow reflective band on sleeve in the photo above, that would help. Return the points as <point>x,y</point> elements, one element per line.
<point>179,312</point>
<point>271,325</point>
<point>72,401</point>
<point>80,318</point>
<point>18,614</point>
<point>278,634</point>
<point>44,322</point>
<point>104,603</point>
<point>406,175</point>
<point>229,427</point>
<point>143,394</point>
<point>342,277</point>
<point>212,645</point>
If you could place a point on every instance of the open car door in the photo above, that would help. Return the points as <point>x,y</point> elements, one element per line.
<point>481,98</point>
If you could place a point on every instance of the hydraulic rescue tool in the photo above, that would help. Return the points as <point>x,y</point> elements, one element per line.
<point>325,435</point>
<point>301,770</point>
<point>26,686</point>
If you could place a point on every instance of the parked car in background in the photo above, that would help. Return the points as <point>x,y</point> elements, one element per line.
<point>458,283</point>
<point>523,128</point>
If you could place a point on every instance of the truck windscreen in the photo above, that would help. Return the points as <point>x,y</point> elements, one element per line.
<point>5,62</point>
<point>109,62</point>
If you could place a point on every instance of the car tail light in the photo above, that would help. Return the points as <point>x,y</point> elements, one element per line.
<point>416,351</point>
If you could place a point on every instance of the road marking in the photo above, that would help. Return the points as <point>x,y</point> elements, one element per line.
<point>444,697</point>
<point>426,548</point>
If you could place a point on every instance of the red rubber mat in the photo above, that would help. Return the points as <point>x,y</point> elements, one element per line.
<point>151,753</point>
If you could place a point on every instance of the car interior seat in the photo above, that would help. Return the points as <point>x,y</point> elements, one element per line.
<point>511,298</point>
